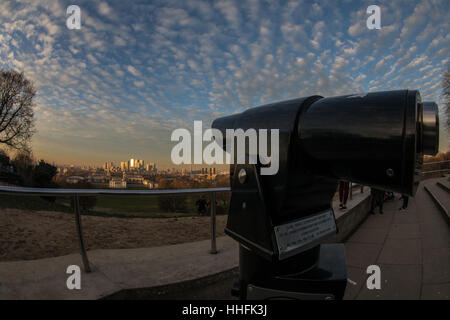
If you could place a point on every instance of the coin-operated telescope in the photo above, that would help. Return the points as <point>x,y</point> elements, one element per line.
<point>281,220</point>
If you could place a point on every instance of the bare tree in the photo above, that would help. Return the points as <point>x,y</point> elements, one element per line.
<point>16,109</point>
<point>446,92</point>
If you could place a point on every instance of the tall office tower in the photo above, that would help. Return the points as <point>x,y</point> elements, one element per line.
<point>132,163</point>
<point>214,170</point>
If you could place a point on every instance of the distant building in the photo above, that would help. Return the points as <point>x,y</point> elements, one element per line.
<point>151,167</point>
<point>117,183</point>
<point>150,184</point>
<point>135,178</point>
<point>74,179</point>
<point>98,178</point>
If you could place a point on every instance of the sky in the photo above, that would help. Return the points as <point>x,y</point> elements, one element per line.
<point>137,70</point>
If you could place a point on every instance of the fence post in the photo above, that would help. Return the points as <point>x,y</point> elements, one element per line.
<point>213,222</point>
<point>83,253</point>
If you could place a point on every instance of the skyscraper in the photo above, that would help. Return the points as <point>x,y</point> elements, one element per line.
<point>124,165</point>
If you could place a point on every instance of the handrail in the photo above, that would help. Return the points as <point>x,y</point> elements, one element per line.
<point>81,192</point>
<point>434,162</point>
<point>434,171</point>
<point>76,193</point>
<point>440,167</point>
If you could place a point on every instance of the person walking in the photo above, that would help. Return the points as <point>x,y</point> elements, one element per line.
<point>343,194</point>
<point>201,205</point>
<point>377,200</point>
<point>405,202</point>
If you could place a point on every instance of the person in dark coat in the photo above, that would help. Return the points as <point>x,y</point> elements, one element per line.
<point>201,205</point>
<point>405,202</point>
<point>377,200</point>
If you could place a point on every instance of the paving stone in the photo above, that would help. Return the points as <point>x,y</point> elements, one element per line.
<point>405,231</point>
<point>401,251</point>
<point>369,235</point>
<point>361,255</point>
<point>436,292</point>
<point>398,282</point>
<point>436,266</point>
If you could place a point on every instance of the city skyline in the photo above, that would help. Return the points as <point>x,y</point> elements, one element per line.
<point>119,86</point>
<point>152,164</point>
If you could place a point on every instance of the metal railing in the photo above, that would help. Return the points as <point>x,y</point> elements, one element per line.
<point>76,193</point>
<point>435,163</point>
<point>434,171</point>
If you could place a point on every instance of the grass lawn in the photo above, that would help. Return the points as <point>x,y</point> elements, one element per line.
<point>114,206</point>
<point>141,206</point>
<point>31,203</point>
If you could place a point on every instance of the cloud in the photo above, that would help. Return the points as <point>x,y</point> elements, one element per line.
<point>416,62</point>
<point>133,71</point>
<point>118,41</point>
<point>105,9</point>
<point>230,11</point>
<point>416,19</point>
<point>164,63</point>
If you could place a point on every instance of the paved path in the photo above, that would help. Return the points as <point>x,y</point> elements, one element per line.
<point>411,247</point>
<point>114,270</point>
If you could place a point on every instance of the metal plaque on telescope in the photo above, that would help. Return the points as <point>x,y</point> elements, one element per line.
<point>299,235</point>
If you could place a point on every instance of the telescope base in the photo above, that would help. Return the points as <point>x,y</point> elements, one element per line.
<point>326,279</point>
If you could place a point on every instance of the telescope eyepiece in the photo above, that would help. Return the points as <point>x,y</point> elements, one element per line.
<point>430,128</point>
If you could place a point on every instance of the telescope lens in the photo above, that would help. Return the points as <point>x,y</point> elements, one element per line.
<point>430,128</point>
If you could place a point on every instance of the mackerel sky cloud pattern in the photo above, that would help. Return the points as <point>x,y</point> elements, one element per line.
<point>138,70</point>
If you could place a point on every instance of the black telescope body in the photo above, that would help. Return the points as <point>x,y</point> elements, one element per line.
<point>370,139</point>
<point>375,139</point>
